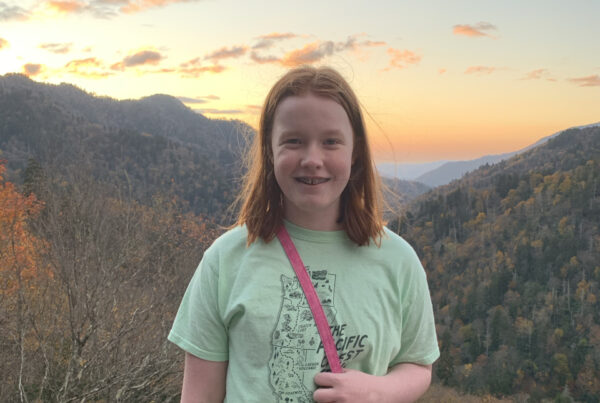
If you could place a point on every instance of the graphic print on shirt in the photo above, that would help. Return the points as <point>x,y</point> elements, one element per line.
<point>297,349</point>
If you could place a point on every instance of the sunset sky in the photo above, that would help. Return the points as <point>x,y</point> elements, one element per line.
<point>437,79</point>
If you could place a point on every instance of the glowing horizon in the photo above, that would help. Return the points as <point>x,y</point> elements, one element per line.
<point>437,81</point>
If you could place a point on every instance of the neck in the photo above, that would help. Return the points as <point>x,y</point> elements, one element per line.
<point>315,223</point>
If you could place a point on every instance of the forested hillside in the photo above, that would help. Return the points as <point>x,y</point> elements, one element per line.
<point>153,145</point>
<point>513,258</point>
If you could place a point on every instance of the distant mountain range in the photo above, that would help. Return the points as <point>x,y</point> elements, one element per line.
<point>155,144</point>
<point>151,145</point>
<point>439,173</point>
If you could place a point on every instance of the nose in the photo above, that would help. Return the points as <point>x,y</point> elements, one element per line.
<point>312,157</point>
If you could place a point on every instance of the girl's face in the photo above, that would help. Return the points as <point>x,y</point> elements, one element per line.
<point>312,143</point>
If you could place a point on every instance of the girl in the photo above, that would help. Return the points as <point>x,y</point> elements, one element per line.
<point>244,323</point>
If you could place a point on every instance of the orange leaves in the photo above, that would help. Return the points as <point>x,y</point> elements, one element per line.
<point>17,245</point>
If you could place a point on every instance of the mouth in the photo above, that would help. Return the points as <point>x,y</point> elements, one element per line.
<point>311,181</point>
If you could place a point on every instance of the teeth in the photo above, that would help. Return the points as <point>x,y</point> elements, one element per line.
<point>312,181</point>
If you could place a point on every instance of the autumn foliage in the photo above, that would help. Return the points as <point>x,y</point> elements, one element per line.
<point>18,247</point>
<point>90,283</point>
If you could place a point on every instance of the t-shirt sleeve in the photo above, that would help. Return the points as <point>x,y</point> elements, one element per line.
<point>198,327</point>
<point>418,334</point>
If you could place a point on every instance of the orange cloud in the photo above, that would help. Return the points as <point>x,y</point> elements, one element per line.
<point>3,43</point>
<point>31,69</point>
<point>66,7</point>
<point>10,13</point>
<point>589,81</point>
<point>277,35</point>
<point>400,59</point>
<point>480,70</point>
<point>105,8</point>
<point>134,6</point>
<point>226,53</point>
<point>311,53</point>
<point>90,68</point>
<point>193,68</point>
<point>143,57</point>
<point>58,48</point>
<point>442,71</point>
<point>473,31</point>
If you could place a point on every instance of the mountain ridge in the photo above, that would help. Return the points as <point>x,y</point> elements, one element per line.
<point>437,173</point>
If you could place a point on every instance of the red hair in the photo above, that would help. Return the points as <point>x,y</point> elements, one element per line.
<point>261,197</point>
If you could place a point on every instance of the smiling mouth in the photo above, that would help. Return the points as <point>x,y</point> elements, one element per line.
<point>312,181</point>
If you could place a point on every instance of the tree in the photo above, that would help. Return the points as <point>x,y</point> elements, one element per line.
<point>20,276</point>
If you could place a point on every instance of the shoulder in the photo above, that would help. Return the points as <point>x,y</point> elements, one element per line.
<point>394,243</point>
<point>229,242</point>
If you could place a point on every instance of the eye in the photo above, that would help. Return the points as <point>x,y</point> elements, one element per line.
<point>331,142</point>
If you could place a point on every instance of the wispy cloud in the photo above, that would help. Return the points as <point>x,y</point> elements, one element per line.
<point>194,68</point>
<point>134,6</point>
<point>140,58</point>
<point>90,67</point>
<point>268,40</point>
<point>400,59</point>
<point>66,7</point>
<point>588,81</point>
<point>309,54</point>
<point>3,43</point>
<point>58,48</point>
<point>32,69</point>
<point>188,100</point>
<point>538,74</point>
<point>474,31</point>
<point>96,8</point>
<point>214,111</point>
<point>226,53</point>
<point>199,100</point>
<point>480,70</point>
<point>442,71</point>
<point>263,59</point>
<point>12,13</point>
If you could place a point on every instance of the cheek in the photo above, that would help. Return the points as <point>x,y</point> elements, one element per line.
<point>344,166</point>
<point>282,167</point>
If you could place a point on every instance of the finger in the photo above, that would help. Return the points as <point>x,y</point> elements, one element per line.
<point>326,379</point>
<point>324,395</point>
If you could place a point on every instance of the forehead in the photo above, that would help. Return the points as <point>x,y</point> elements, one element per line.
<point>311,111</point>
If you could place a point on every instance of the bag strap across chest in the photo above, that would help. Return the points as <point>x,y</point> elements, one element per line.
<point>312,298</point>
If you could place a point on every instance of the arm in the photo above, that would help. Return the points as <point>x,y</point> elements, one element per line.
<point>203,380</point>
<point>405,382</point>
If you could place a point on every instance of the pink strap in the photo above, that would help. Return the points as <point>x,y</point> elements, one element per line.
<point>312,298</point>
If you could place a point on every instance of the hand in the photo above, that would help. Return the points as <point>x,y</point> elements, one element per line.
<point>349,386</point>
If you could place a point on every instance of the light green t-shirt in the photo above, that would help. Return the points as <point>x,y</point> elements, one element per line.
<point>245,305</point>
